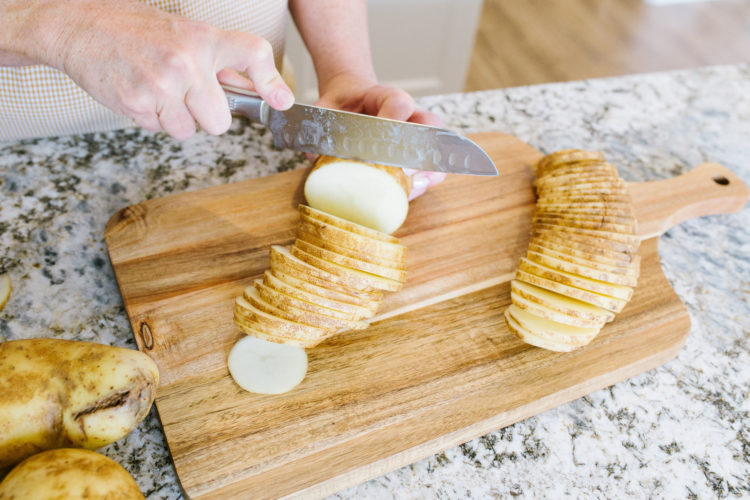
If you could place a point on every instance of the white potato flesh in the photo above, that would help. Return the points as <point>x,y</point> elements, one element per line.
<point>358,193</point>
<point>4,289</point>
<point>267,367</point>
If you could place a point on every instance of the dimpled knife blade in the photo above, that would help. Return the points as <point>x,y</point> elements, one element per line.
<point>323,131</point>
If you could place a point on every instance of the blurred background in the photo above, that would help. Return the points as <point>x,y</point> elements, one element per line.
<point>441,46</point>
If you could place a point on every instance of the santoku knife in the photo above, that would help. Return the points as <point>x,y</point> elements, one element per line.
<point>323,131</point>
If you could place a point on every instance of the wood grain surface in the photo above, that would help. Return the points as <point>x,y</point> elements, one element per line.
<point>436,368</point>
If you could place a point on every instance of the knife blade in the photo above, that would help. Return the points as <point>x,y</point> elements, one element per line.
<point>324,131</point>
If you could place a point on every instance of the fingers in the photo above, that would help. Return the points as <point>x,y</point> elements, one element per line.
<point>423,180</point>
<point>176,120</point>
<point>254,56</point>
<point>388,102</point>
<point>208,106</point>
<point>232,78</point>
<point>426,118</point>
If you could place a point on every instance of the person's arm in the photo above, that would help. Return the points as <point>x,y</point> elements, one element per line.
<point>336,35</point>
<point>160,69</point>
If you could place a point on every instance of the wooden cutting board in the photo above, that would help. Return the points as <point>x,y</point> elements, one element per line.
<point>437,369</point>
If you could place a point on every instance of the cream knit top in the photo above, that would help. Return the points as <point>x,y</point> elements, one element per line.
<point>39,101</point>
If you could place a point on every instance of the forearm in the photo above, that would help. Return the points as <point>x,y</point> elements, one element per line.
<point>335,32</point>
<point>31,30</point>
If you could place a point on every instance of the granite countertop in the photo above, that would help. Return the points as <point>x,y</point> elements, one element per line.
<point>681,430</point>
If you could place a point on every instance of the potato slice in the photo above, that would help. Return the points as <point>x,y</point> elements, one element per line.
<point>556,335</point>
<point>575,257</point>
<point>604,301</point>
<point>353,254</point>
<point>325,289</point>
<point>368,267</point>
<point>345,224</point>
<point>572,177</point>
<point>5,288</point>
<point>549,162</point>
<point>624,220</point>
<point>250,328</point>
<point>376,196</point>
<point>282,256</point>
<point>272,281</point>
<point>276,298</point>
<point>594,273</point>
<point>547,313</point>
<point>584,244</point>
<point>365,280</point>
<point>557,198</point>
<point>284,310</point>
<point>562,304</point>
<point>353,241</point>
<point>277,326</point>
<point>605,245</point>
<point>621,292</point>
<point>266,367</point>
<point>628,239</point>
<point>583,224</point>
<point>69,474</point>
<point>587,168</point>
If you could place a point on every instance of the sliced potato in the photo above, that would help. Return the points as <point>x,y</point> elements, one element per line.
<point>584,244</point>
<point>272,281</point>
<point>365,280</point>
<point>275,325</point>
<point>560,303</point>
<point>587,168</point>
<point>348,239</point>
<point>552,330</point>
<point>583,198</point>
<point>266,367</point>
<point>284,310</point>
<point>553,315</point>
<point>604,301</point>
<point>329,291</point>
<point>584,224</point>
<point>567,178</point>
<point>590,241</point>
<point>594,273</point>
<point>532,338</point>
<point>624,220</point>
<point>282,256</point>
<point>551,161</point>
<point>621,292</point>
<point>248,327</point>
<point>347,252</point>
<point>5,289</point>
<point>629,239</point>
<point>574,257</point>
<point>376,196</point>
<point>365,266</point>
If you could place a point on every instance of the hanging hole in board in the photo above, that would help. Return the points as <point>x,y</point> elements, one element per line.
<point>721,180</point>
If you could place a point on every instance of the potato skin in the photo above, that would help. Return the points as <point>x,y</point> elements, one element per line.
<point>60,393</point>
<point>69,473</point>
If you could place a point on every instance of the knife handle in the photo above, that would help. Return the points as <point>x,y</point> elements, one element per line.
<point>246,103</point>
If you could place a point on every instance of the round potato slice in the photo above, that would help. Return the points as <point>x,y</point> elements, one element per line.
<point>532,338</point>
<point>326,290</point>
<point>562,304</point>
<point>368,267</point>
<point>552,330</point>
<point>621,292</point>
<point>365,280</point>
<point>284,310</point>
<point>249,328</point>
<point>266,367</point>
<point>623,220</point>
<point>272,281</point>
<point>574,257</point>
<point>628,239</point>
<point>275,325</point>
<point>551,161</point>
<point>553,315</point>
<point>308,237</point>
<point>588,271</point>
<point>604,301</point>
<point>584,224</point>
<point>591,246</point>
<point>351,240</point>
<point>376,196</point>
<point>281,255</point>
<point>5,288</point>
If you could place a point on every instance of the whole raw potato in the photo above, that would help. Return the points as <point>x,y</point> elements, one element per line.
<point>69,473</point>
<point>60,393</point>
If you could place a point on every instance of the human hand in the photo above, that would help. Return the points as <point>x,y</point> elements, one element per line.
<point>357,95</point>
<point>160,69</point>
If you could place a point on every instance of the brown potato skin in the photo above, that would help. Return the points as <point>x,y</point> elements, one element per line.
<point>60,393</point>
<point>69,473</point>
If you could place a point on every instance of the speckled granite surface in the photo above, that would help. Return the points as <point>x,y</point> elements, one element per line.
<point>680,431</point>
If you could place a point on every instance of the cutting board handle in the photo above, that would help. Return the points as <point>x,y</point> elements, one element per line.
<point>708,189</point>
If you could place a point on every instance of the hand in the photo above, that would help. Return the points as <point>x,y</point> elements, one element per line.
<point>357,95</point>
<point>160,69</point>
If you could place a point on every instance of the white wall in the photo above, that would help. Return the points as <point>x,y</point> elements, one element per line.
<point>422,46</point>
